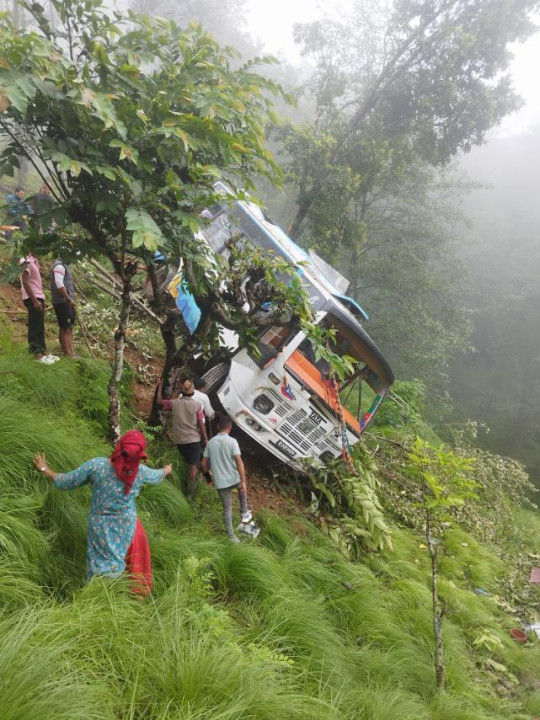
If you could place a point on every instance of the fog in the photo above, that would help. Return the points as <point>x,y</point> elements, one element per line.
<point>498,382</point>
<point>410,166</point>
<point>447,270</point>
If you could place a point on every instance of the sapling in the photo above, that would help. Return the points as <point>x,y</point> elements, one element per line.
<point>444,481</point>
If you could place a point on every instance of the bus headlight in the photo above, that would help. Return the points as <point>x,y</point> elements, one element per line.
<point>326,457</point>
<point>263,404</point>
<point>253,423</point>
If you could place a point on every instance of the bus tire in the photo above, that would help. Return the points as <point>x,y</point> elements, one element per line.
<point>215,377</point>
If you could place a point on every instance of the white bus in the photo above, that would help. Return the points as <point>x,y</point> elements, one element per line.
<point>283,398</point>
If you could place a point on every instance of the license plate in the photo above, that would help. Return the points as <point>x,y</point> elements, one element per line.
<point>284,448</point>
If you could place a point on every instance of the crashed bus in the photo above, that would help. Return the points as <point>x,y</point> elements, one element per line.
<point>282,397</point>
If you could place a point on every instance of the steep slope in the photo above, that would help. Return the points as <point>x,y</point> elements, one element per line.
<point>283,627</point>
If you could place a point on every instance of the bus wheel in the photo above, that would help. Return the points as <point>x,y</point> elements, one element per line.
<point>215,377</point>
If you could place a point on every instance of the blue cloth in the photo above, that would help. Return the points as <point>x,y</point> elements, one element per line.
<point>191,312</point>
<point>16,207</point>
<point>113,514</point>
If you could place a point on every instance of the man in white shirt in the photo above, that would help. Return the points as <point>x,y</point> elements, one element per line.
<point>203,398</point>
<point>63,302</point>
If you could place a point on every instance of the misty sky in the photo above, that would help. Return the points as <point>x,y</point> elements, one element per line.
<point>273,23</point>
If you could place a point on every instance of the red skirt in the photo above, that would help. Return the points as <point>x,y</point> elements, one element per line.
<point>139,562</point>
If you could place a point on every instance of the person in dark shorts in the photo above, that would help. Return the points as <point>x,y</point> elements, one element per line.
<point>63,301</point>
<point>188,430</point>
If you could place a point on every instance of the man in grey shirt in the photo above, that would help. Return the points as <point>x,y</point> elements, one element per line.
<point>222,455</point>
<point>188,430</point>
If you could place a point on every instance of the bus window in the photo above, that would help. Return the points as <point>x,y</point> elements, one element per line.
<point>306,348</point>
<point>271,342</point>
<point>361,395</point>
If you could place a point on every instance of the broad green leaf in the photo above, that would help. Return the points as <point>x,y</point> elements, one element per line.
<point>17,97</point>
<point>145,230</point>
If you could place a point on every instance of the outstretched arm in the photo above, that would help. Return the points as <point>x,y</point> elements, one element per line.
<point>65,481</point>
<point>41,464</point>
<point>153,477</point>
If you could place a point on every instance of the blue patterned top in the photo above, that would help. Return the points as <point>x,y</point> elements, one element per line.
<point>113,514</point>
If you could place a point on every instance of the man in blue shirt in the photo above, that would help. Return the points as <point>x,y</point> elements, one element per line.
<point>222,456</point>
<point>17,210</point>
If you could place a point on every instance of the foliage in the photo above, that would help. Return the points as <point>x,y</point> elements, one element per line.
<point>246,291</point>
<point>400,89</point>
<point>406,405</point>
<point>354,518</point>
<point>285,626</point>
<point>132,122</point>
<point>502,483</point>
<point>443,482</point>
<point>443,479</point>
<point>227,23</point>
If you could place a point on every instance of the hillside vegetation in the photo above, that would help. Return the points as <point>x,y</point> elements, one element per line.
<point>284,627</point>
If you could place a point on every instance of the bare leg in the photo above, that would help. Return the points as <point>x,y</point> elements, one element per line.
<point>191,485</point>
<point>69,340</point>
<point>64,341</point>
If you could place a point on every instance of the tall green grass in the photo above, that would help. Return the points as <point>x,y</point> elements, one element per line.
<point>283,627</point>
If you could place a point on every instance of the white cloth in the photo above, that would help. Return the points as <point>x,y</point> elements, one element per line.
<point>205,403</point>
<point>59,275</point>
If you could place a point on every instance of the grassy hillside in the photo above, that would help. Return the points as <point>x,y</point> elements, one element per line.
<point>283,627</point>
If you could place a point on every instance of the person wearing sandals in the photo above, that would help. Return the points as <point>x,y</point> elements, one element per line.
<point>222,456</point>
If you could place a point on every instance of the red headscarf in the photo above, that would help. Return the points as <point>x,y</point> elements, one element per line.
<point>127,455</point>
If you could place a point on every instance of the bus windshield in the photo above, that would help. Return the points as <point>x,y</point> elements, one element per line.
<point>356,397</point>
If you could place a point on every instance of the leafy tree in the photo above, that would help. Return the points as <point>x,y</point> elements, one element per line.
<point>398,91</point>
<point>399,243</point>
<point>426,78</point>
<point>130,122</point>
<point>224,20</point>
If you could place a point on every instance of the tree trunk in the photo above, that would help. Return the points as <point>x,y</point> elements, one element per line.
<point>23,171</point>
<point>296,226</point>
<point>178,362</point>
<point>437,612</point>
<point>118,362</point>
